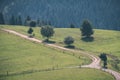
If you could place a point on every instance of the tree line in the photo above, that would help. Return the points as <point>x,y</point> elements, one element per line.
<point>18,20</point>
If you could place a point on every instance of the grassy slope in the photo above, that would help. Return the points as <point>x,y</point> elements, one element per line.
<point>65,74</point>
<point>17,55</point>
<point>105,40</point>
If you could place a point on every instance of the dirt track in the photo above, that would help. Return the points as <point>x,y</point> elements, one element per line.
<point>95,60</point>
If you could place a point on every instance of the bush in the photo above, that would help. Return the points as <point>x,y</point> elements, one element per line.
<point>69,40</point>
<point>30,30</point>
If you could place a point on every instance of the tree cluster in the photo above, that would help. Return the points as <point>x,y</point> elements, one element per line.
<point>15,20</point>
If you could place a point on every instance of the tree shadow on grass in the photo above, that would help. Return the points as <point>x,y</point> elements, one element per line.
<point>88,39</point>
<point>70,47</point>
<point>48,41</point>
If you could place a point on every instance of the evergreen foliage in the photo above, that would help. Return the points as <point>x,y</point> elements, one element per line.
<point>86,29</point>
<point>103,57</point>
<point>2,18</point>
<point>27,21</point>
<point>103,13</point>
<point>19,20</point>
<point>30,30</point>
<point>32,23</point>
<point>12,20</point>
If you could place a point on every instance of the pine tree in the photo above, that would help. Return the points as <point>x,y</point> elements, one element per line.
<point>19,21</point>
<point>32,24</point>
<point>103,57</point>
<point>27,21</point>
<point>30,31</point>
<point>2,18</point>
<point>38,22</point>
<point>86,29</point>
<point>12,20</point>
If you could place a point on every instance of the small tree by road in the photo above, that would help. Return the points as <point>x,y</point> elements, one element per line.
<point>68,41</point>
<point>47,31</point>
<point>30,31</point>
<point>103,57</point>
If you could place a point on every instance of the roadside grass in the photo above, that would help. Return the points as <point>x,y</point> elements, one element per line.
<point>107,41</point>
<point>104,40</point>
<point>65,74</point>
<point>18,55</point>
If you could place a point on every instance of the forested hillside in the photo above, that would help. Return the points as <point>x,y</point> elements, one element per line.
<point>104,14</point>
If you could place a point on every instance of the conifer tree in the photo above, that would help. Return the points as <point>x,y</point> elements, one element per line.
<point>19,20</point>
<point>12,20</point>
<point>2,18</point>
<point>86,29</point>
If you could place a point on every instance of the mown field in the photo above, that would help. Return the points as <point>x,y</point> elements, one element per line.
<point>21,59</point>
<point>106,41</point>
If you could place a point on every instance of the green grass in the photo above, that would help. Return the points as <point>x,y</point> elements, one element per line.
<point>17,55</point>
<point>26,60</point>
<point>65,74</point>
<point>107,41</point>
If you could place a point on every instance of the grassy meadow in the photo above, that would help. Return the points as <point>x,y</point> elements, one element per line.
<point>21,59</point>
<point>107,41</point>
<point>104,40</point>
<point>65,74</point>
<point>17,54</point>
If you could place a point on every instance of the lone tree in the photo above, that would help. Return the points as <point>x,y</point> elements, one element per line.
<point>103,57</point>
<point>47,31</point>
<point>86,29</point>
<point>30,31</point>
<point>32,23</point>
<point>2,18</point>
<point>68,41</point>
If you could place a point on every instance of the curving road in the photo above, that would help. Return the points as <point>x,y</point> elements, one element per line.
<point>95,60</point>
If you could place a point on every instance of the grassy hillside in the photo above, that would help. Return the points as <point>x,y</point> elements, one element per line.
<point>22,59</point>
<point>104,40</point>
<point>107,41</point>
<point>65,74</point>
<point>17,55</point>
